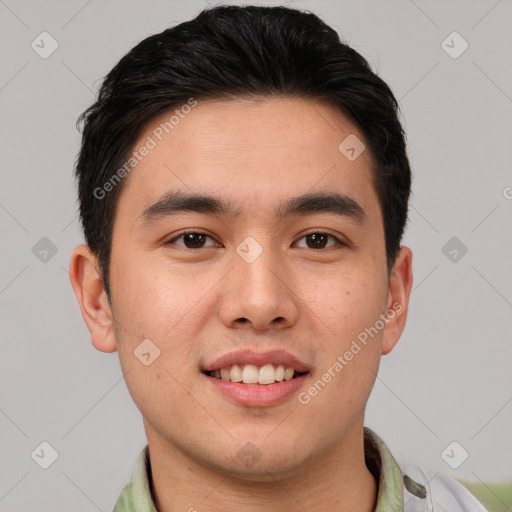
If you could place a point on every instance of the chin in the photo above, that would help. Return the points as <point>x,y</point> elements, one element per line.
<point>264,469</point>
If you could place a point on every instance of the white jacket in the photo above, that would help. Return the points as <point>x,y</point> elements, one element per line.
<point>409,488</point>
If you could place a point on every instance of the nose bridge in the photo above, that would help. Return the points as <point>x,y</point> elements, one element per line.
<point>258,291</point>
<point>259,266</point>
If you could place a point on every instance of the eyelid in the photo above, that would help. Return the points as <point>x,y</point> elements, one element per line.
<point>319,231</point>
<point>186,232</point>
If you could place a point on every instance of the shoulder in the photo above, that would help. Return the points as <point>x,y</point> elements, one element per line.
<point>124,502</point>
<point>427,490</point>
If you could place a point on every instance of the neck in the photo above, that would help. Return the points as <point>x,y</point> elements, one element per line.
<point>336,481</point>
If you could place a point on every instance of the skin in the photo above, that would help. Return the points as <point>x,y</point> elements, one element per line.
<point>196,304</point>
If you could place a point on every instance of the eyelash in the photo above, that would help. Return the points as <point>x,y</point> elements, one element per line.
<point>172,240</point>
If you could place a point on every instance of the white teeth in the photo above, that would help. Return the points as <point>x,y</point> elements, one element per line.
<point>236,373</point>
<point>288,374</point>
<point>267,374</point>
<point>252,374</point>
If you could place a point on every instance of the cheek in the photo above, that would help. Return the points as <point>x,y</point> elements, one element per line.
<point>155,297</point>
<point>164,309</point>
<point>344,312</point>
<point>169,306</point>
<point>344,303</point>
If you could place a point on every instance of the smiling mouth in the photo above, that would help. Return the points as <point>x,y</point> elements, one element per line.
<point>256,375</point>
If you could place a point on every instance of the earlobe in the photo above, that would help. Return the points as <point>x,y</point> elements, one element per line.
<point>400,284</point>
<point>92,299</point>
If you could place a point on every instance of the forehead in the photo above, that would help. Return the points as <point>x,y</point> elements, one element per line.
<point>254,153</point>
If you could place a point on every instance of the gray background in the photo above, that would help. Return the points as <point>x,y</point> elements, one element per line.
<point>448,379</point>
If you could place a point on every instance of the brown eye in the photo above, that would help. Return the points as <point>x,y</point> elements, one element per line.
<point>191,240</point>
<point>320,240</point>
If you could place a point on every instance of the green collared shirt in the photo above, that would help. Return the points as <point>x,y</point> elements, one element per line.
<point>397,491</point>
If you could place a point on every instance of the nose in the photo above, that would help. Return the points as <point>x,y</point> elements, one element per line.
<point>259,294</point>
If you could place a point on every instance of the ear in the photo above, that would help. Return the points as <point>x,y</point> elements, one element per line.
<point>400,283</point>
<point>88,287</point>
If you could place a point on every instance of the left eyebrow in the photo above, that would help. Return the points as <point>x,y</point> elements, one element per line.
<point>323,202</point>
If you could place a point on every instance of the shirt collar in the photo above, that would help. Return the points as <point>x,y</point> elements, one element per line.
<point>136,495</point>
<point>386,471</point>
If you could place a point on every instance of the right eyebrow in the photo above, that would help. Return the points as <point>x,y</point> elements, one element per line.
<point>177,201</point>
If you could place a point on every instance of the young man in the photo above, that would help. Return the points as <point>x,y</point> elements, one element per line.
<point>243,185</point>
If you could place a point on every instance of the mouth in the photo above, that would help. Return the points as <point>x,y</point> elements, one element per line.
<point>250,394</point>
<point>253,379</point>
<point>251,374</point>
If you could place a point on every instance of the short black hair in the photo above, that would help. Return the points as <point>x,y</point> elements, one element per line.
<point>228,52</point>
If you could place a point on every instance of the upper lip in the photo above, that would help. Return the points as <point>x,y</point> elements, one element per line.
<point>258,359</point>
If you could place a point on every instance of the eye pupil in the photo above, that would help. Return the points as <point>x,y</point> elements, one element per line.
<point>319,239</point>
<point>193,239</point>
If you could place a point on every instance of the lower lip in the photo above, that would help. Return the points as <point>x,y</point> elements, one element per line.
<point>258,395</point>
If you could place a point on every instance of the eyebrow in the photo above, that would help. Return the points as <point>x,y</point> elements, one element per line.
<point>310,203</point>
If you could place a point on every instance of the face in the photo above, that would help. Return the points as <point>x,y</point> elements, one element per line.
<point>256,283</point>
